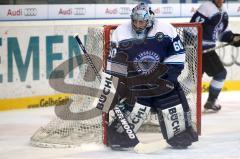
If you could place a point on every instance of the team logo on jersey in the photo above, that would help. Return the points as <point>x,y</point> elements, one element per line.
<point>159,36</point>
<point>126,44</point>
<point>146,62</point>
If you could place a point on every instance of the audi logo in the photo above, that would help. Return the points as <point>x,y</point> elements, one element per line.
<point>167,10</point>
<point>229,56</point>
<point>30,11</point>
<point>79,11</point>
<point>125,10</point>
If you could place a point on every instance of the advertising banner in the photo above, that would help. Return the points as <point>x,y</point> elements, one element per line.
<point>71,11</point>
<point>99,11</point>
<point>23,12</point>
<point>114,10</point>
<point>166,10</point>
<point>29,54</point>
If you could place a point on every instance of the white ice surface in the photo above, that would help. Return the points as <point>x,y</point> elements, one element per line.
<point>220,137</point>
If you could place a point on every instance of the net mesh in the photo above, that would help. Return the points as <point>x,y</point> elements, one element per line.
<point>188,78</point>
<point>68,133</point>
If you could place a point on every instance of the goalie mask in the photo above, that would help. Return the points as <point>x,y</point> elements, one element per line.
<point>142,19</point>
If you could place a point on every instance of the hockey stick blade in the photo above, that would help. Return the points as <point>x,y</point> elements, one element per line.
<point>145,148</point>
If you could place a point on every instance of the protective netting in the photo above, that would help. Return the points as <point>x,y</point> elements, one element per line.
<point>67,133</point>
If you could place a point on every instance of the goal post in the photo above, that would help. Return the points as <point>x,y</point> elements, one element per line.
<point>68,133</point>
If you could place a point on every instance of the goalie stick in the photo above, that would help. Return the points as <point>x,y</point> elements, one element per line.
<point>138,147</point>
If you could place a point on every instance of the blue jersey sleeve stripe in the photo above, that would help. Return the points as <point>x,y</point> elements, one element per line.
<point>174,63</point>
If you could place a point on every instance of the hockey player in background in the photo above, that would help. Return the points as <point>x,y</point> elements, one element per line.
<point>214,19</point>
<point>148,42</point>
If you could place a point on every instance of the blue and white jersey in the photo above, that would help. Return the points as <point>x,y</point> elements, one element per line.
<point>162,44</point>
<point>215,22</point>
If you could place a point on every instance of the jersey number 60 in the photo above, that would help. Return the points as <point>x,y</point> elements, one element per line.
<point>177,45</point>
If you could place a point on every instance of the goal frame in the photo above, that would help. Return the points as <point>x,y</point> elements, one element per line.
<point>107,33</point>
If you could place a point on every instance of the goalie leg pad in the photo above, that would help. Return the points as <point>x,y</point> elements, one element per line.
<point>184,139</point>
<point>176,97</point>
<point>121,140</point>
<point>138,115</point>
<point>175,118</point>
<point>117,140</point>
<point>174,128</point>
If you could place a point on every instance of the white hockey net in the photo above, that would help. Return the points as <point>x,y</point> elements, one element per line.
<point>68,133</point>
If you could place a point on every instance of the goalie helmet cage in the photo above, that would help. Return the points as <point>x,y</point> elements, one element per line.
<point>70,133</point>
